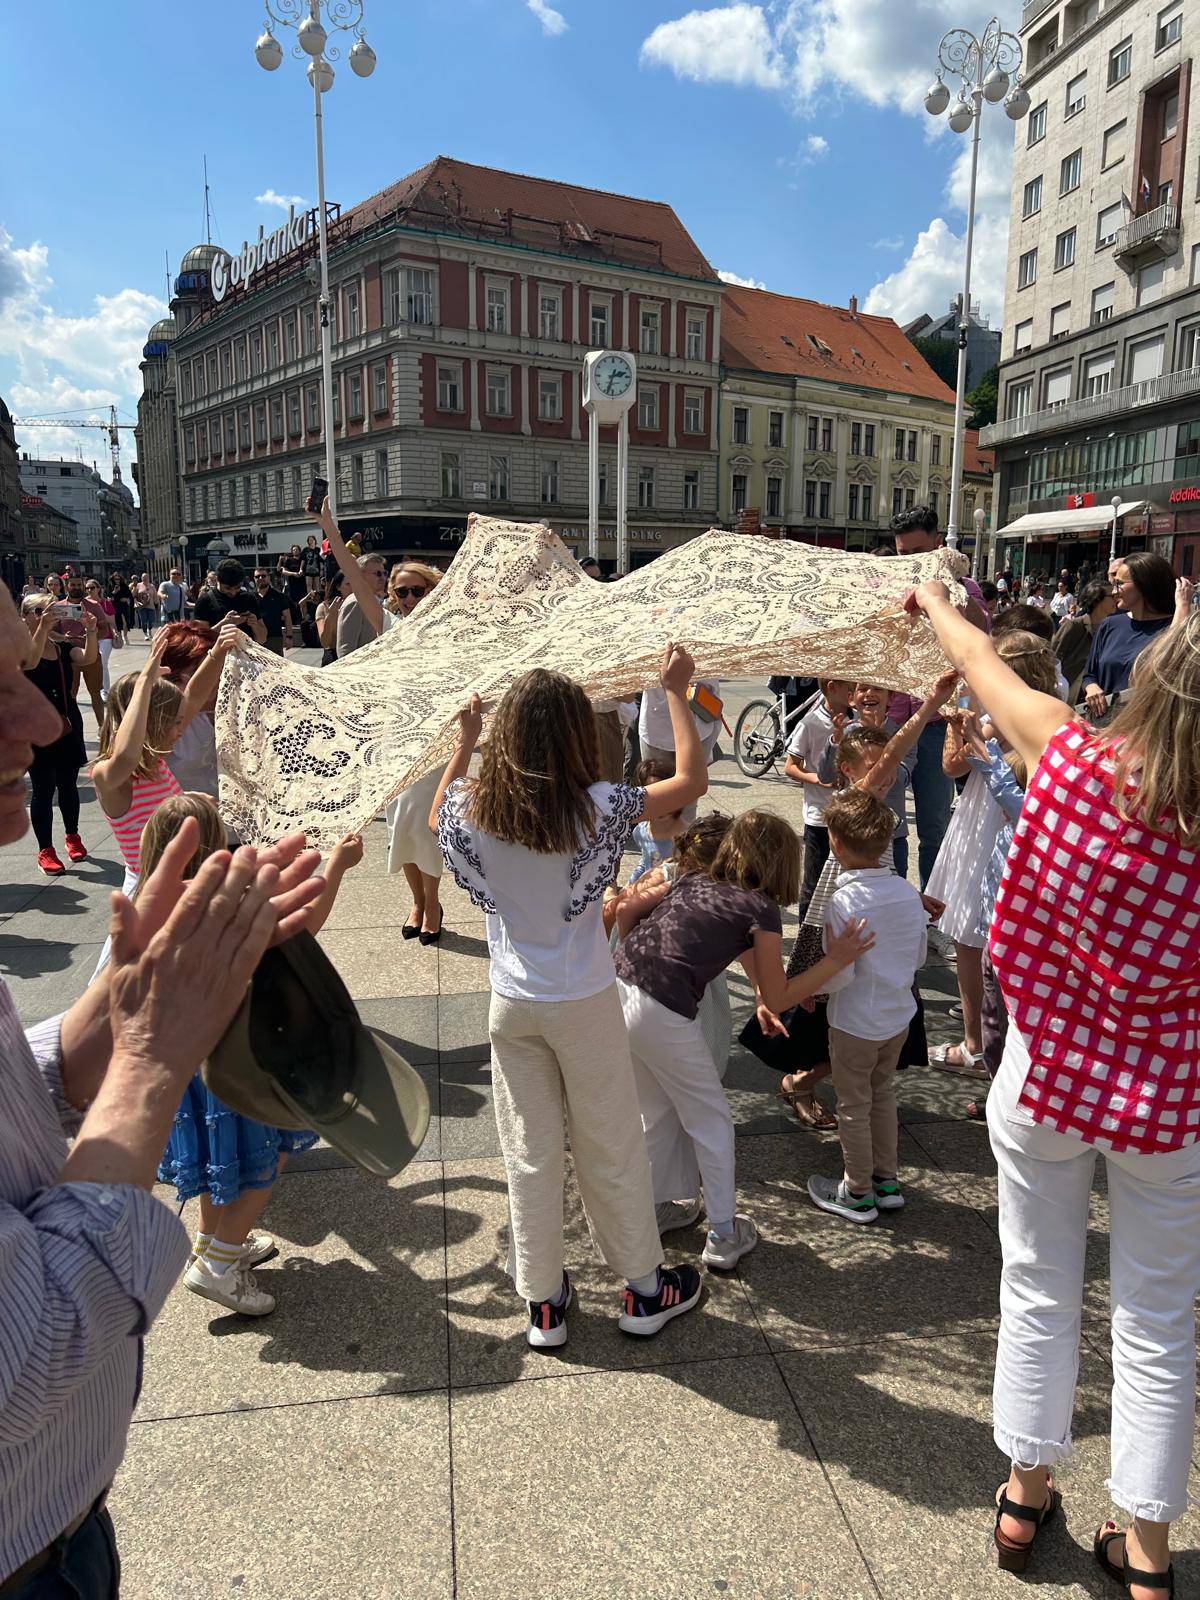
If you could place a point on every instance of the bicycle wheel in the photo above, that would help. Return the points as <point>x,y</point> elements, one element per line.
<point>756,741</point>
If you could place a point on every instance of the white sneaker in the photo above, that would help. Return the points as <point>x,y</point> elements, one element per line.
<point>673,1214</point>
<point>724,1254</point>
<point>258,1247</point>
<point>832,1195</point>
<point>236,1289</point>
<point>940,943</point>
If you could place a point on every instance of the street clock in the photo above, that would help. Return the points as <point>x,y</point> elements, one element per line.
<point>609,384</point>
<point>609,391</point>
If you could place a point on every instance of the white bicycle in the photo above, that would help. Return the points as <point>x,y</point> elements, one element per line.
<point>763,732</point>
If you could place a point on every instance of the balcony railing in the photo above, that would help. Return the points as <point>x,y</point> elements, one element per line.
<point>1154,232</point>
<point>1158,391</point>
<point>1032,10</point>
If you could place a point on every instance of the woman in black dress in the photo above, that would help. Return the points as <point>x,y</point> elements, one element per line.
<point>50,663</point>
<point>291,569</point>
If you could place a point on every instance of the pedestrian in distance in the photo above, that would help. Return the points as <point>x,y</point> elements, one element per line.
<point>50,657</point>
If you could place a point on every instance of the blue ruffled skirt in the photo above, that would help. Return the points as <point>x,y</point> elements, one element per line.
<point>214,1151</point>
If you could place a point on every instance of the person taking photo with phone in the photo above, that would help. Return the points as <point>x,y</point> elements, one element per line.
<point>231,598</point>
<point>51,658</point>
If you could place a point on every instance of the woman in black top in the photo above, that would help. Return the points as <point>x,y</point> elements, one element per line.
<point>121,596</point>
<point>50,663</point>
<point>314,566</point>
<point>291,568</point>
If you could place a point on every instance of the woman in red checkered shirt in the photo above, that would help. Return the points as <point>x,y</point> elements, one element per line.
<point>1096,942</point>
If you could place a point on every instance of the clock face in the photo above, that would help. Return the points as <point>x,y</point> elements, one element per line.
<point>612,376</point>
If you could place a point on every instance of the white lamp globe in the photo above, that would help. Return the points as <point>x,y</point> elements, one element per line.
<point>1017,104</point>
<point>961,117</point>
<point>268,51</point>
<point>312,36</point>
<point>937,98</point>
<point>362,58</point>
<point>995,86</point>
<point>320,75</point>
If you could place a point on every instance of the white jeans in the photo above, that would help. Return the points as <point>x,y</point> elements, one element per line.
<point>685,1115</point>
<point>1154,1263</point>
<point>104,646</point>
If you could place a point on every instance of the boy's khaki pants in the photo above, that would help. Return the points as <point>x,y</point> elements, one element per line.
<point>864,1076</point>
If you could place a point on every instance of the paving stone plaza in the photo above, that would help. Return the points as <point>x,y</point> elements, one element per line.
<point>820,1430</point>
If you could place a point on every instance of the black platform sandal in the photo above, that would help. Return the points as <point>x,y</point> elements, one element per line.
<point>1125,1573</point>
<point>1011,1556</point>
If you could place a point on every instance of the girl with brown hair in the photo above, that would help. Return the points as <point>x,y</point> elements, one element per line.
<point>534,840</point>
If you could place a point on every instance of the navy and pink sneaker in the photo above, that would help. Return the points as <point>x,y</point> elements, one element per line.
<point>646,1314</point>
<point>548,1321</point>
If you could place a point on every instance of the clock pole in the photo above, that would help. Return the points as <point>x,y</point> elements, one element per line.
<point>593,484</point>
<point>622,477</point>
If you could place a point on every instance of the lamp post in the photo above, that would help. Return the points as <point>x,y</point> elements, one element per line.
<point>976,555</point>
<point>312,36</point>
<point>1112,543</point>
<point>987,69</point>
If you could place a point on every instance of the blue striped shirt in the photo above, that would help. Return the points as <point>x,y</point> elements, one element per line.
<point>84,1270</point>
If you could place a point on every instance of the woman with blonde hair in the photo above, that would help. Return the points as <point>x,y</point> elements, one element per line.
<point>1096,943</point>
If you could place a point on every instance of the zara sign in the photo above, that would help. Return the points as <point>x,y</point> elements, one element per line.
<point>235,272</point>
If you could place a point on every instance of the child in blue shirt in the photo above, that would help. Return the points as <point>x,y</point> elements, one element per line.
<point>655,839</point>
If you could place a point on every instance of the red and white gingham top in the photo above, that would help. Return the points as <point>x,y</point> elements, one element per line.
<point>1096,943</point>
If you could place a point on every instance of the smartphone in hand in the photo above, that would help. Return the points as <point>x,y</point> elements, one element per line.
<point>316,499</point>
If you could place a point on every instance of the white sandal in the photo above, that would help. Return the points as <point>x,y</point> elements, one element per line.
<point>969,1065</point>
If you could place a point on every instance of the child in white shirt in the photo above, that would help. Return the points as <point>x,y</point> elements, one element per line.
<point>803,759</point>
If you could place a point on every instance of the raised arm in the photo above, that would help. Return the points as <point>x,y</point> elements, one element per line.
<point>690,779</point>
<point>355,577</point>
<point>36,646</point>
<point>1028,719</point>
<point>208,674</point>
<point>83,655</point>
<point>470,726</point>
<point>117,769</point>
<point>900,745</point>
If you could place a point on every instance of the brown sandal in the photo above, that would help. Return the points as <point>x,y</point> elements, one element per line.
<point>1011,1554</point>
<point>809,1111</point>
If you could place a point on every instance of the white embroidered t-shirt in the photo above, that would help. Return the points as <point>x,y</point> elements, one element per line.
<point>545,925</point>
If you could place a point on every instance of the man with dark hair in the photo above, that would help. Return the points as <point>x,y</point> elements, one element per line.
<point>916,533</point>
<point>1030,619</point>
<point>592,567</point>
<point>275,612</point>
<point>230,597</point>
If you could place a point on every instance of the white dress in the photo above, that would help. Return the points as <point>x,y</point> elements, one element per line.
<point>957,876</point>
<point>412,839</point>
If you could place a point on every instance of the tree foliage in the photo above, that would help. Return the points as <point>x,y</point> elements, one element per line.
<point>984,398</point>
<point>942,356</point>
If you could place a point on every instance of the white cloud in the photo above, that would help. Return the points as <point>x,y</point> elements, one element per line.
<point>553,22</point>
<point>815,147</point>
<point>55,362</point>
<point>894,241</point>
<point>742,283</point>
<point>269,198</point>
<point>729,44</point>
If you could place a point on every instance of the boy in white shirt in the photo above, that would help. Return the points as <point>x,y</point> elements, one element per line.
<point>804,754</point>
<point>870,1006</point>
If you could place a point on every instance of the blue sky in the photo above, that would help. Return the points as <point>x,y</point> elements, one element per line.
<point>788,136</point>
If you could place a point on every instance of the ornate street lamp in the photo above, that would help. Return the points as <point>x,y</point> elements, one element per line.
<point>987,69</point>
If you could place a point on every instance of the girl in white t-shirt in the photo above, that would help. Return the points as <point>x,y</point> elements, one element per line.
<point>535,840</point>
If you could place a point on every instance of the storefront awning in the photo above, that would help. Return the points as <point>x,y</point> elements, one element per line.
<point>1064,524</point>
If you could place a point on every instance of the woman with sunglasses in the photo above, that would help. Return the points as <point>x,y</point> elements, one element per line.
<point>105,612</point>
<point>51,659</point>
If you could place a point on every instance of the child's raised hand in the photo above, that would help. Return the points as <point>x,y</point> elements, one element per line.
<point>770,1024</point>
<point>470,721</point>
<point>839,727</point>
<point>678,669</point>
<point>348,852</point>
<point>941,692</point>
<point>153,667</point>
<point>854,940</point>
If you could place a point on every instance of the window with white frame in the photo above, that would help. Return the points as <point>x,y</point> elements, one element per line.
<point>498,478</point>
<point>550,481</point>
<point>239,358</point>
<point>645,488</point>
<point>310,330</point>
<point>737,493</point>
<point>599,320</point>
<point>856,438</point>
<point>1107,224</point>
<point>933,501</point>
<point>852,514</point>
<point>827,433</point>
<point>294,413</point>
<point>1018,400</point>
<point>602,483</point>
<point>420,296</point>
<point>550,313</point>
<point>256,353</point>
<point>1036,125</point>
<point>277,416</point>
<point>272,344</point>
<point>1027,269</point>
<point>1145,360</point>
<point>189,445</point>
<point>824,498</point>
<point>935,450</point>
<point>693,411</point>
<point>312,407</point>
<point>1060,320</point>
<point>691,490</point>
<point>649,330</point>
<point>1064,250</point>
<point>1166,192</point>
<point>336,391</point>
<point>381,475</point>
<point>211,372</point>
<point>1102,301</point>
<point>1120,61</point>
<point>694,336</point>
<point>775,430</point>
<point>1031,200</point>
<point>1189,347</point>
<point>451,475</point>
<point>279,506</point>
<point>262,491</point>
<point>297,486</point>
<point>898,445</point>
<point>774,496</point>
<point>244,427</point>
<point>449,386</point>
<point>1170,25</point>
<point>868,439</point>
<point>912,445</point>
<point>226,366</point>
<point>550,398</point>
<point>499,394</point>
<point>1150,282</point>
<point>289,336</point>
<point>1170,115</point>
<point>260,423</point>
<point>229,434</point>
<point>379,387</point>
<point>868,491</point>
<point>648,406</point>
<point>354,403</point>
<point>1056,387</point>
<point>1194,279</point>
<point>1069,172</point>
<point>810,497</point>
<point>185,379</point>
<point>1098,373</point>
<point>497,307</point>
<point>393,289</point>
<point>741,425</point>
<point>1076,94</point>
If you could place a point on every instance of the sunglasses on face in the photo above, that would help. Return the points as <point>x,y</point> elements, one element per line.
<point>403,593</point>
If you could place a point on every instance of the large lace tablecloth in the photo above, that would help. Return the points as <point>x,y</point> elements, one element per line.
<point>325,749</point>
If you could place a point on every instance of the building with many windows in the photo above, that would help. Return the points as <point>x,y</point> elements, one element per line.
<point>830,420</point>
<point>463,302</point>
<point>1100,372</point>
<point>157,467</point>
<point>983,341</point>
<point>74,489</point>
<point>50,538</point>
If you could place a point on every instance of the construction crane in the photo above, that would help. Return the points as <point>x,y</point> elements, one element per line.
<point>112,428</point>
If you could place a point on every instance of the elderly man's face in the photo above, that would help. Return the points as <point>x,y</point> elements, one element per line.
<point>376,573</point>
<point>26,718</point>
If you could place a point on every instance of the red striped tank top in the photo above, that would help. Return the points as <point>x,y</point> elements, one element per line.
<point>147,795</point>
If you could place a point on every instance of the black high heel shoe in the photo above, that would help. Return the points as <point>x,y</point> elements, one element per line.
<point>432,938</point>
<point>410,930</point>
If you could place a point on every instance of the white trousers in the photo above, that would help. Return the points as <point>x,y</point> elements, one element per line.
<point>1154,1263</point>
<point>685,1115</point>
<point>104,646</point>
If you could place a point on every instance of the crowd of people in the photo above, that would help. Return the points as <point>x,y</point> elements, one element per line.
<point>1054,772</point>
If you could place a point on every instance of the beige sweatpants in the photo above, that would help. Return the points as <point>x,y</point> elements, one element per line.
<point>551,1055</point>
<point>864,1076</point>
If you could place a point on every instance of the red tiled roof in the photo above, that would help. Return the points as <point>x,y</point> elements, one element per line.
<point>448,196</point>
<point>766,332</point>
<point>976,462</point>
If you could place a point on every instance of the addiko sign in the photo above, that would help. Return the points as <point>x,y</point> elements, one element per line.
<point>235,272</point>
